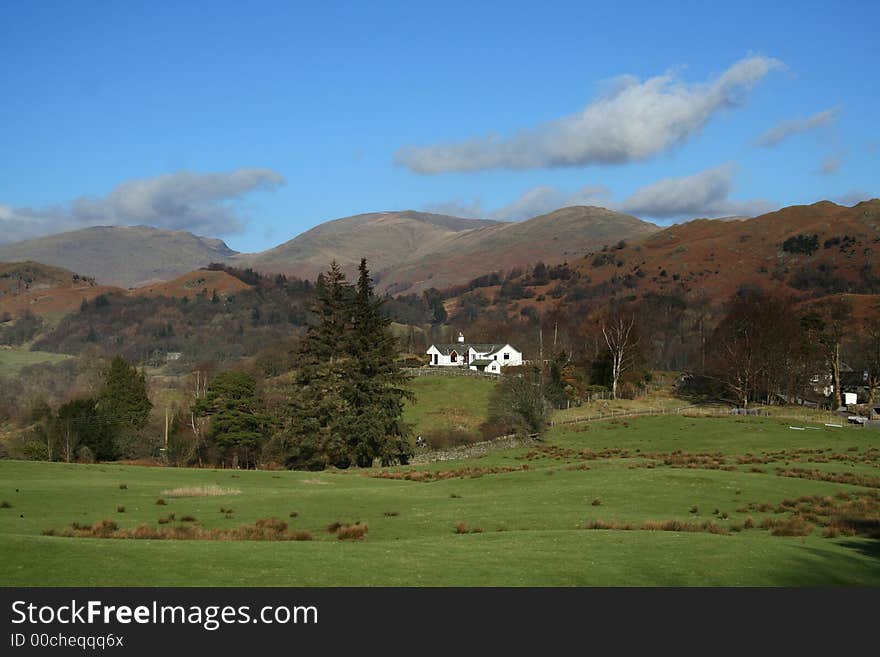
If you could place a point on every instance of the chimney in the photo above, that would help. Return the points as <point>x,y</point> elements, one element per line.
<point>461,337</point>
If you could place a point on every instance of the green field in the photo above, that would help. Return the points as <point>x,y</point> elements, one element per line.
<point>532,520</point>
<point>12,360</point>
<point>448,402</point>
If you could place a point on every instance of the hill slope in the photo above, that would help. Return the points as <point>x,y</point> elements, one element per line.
<point>385,238</point>
<point>809,251</point>
<point>125,256</point>
<point>565,234</point>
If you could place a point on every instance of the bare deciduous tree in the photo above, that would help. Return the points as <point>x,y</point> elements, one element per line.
<point>617,329</point>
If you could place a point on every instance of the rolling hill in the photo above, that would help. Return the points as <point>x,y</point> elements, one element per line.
<point>386,239</point>
<point>564,235</point>
<point>809,251</point>
<point>123,256</point>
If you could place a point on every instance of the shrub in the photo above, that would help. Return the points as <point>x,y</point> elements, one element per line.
<point>443,438</point>
<point>355,532</point>
<point>293,514</point>
<point>161,501</point>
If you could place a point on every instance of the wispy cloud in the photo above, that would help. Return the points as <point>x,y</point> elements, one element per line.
<point>705,194</point>
<point>533,202</point>
<point>786,129</point>
<point>202,203</point>
<point>854,197</point>
<point>635,120</point>
<point>830,165</point>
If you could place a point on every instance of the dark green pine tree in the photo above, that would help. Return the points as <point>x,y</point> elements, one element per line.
<point>123,404</point>
<point>238,427</point>
<point>377,387</point>
<point>314,435</point>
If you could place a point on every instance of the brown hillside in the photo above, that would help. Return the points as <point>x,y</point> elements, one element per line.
<point>60,292</point>
<point>563,235</point>
<point>808,251</point>
<point>385,239</point>
<point>20,277</point>
<point>189,285</point>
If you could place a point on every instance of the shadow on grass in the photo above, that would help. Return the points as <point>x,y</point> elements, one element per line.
<point>830,568</point>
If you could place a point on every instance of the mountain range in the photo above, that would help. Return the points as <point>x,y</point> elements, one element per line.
<point>405,250</point>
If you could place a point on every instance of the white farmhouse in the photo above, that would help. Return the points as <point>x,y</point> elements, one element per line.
<point>483,357</point>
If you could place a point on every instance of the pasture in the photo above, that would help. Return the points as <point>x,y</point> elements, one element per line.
<point>512,518</point>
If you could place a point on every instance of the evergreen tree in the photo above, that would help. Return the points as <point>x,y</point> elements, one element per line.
<point>123,404</point>
<point>238,428</point>
<point>378,387</point>
<point>347,397</point>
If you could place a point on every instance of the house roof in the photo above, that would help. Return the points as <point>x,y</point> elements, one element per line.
<point>483,362</point>
<point>462,347</point>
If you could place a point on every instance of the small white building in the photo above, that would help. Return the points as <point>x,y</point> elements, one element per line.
<point>485,357</point>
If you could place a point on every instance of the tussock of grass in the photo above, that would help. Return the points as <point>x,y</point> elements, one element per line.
<point>120,509</point>
<point>200,491</point>
<point>5,504</point>
<point>161,501</point>
<point>464,528</point>
<point>355,532</point>
<point>265,529</point>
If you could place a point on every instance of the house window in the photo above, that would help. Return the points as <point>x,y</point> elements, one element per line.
<point>495,357</point>
<point>506,356</point>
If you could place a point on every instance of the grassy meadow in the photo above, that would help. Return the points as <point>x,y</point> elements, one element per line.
<point>13,360</point>
<point>521,514</point>
<point>448,403</point>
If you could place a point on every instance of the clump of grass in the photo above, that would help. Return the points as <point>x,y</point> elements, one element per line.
<point>355,532</point>
<point>123,486</point>
<point>5,504</point>
<point>794,526</point>
<point>265,529</point>
<point>749,523</point>
<point>164,520</point>
<point>464,528</point>
<point>605,524</point>
<point>200,491</point>
<point>597,501</point>
<point>695,509</point>
<point>334,526</point>
<point>188,519</point>
<point>294,514</point>
<point>161,501</point>
<point>120,509</point>
<point>391,514</point>
<point>455,496</point>
<point>223,509</point>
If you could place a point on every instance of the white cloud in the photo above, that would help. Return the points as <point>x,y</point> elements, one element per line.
<point>854,197</point>
<point>202,203</point>
<point>786,129</point>
<point>533,202</point>
<point>635,120</point>
<point>705,194</point>
<point>830,165</point>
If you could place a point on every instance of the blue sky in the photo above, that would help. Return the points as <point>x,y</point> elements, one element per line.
<point>256,121</point>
